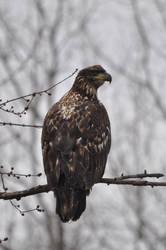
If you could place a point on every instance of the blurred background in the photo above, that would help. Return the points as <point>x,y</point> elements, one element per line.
<point>41,43</point>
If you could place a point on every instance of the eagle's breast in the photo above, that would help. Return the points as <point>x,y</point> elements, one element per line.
<point>70,103</point>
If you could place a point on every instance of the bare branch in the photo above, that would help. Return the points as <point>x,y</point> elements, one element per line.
<point>2,240</point>
<point>144,175</point>
<point>38,92</point>
<point>31,96</point>
<point>19,194</point>
<point>20,125</point>
<point>118,181</point>
<point>12,173</point>
<point>23,212</point>
<point>109,181</point>
<point>3,183</point>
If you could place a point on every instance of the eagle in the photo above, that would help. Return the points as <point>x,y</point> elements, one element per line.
<point>76,140</point>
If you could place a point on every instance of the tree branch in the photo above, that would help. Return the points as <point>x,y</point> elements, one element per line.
<point>20,125</point>
<point>118,181</point>
<point>28,100</point>
<point>27,192</point>
<point>144,175</point>
<point>37,92</point>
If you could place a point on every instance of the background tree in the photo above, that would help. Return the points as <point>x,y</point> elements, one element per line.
<point>44,41</point>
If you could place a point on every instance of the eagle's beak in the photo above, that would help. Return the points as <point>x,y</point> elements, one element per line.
<point>104,77</point>
<point>108,77</point>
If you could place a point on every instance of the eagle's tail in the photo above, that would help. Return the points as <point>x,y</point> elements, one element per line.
<point>70,203</point>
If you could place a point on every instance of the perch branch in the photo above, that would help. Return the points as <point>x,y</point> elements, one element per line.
<point>118,181</point>
<point>144,175</point>
<point>19,194</point>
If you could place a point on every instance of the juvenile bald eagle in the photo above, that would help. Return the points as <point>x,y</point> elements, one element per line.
<point>76,140</point>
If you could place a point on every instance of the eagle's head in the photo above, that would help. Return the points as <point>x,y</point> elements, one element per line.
<point>90,79</point>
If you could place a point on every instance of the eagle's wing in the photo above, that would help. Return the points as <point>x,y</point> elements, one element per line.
<point>75,150</point>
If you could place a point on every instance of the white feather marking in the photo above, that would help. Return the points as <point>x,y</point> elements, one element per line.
<point>67,111</point>
<point>100,146</point>
<point>79,139</point>
<point>57,162</point>
<point>105,141</point>
<point>51,123</point>
<point>103,135</point>
<point>108,129</point>
<point>95,147</point>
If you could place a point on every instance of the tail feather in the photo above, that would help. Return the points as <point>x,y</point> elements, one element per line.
<point>70,203</point>
<point>81,205</point>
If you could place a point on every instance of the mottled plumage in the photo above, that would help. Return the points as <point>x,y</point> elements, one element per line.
<point>76,140</point>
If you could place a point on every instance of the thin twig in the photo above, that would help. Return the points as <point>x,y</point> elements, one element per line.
<point>20,125</point>
<point>4,239</point>
<point>38,92</point>
<point>12,173</point>
<point>3,183</point>
<point>23,212</point>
